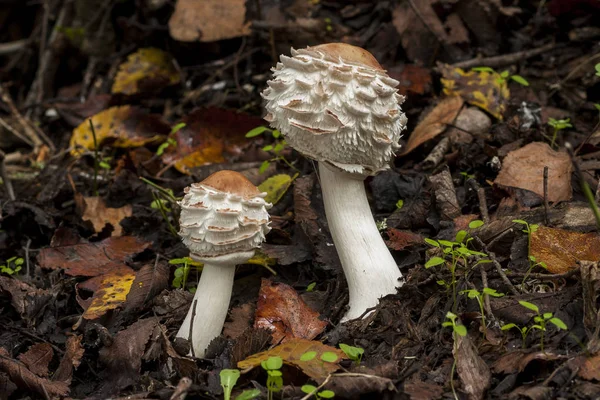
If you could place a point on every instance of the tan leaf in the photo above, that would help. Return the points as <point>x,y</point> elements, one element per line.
<point>560,250</point>
<point>524,169</point>
<point>111,292</point>
<point>434,123</point>
<point>145,71</point>
<point>94,209</point>
<point>291,353</point>
<point>208,20</point>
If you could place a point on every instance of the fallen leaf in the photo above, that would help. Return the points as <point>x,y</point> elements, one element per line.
<point>208,136</point>
<point>92,259</point>
<point>208,20</point>
<point>413,79</point>
<point>516,361</point>
<point>434,123</point>
<point>399,240</point>
<point>37,358</point>
<point>71,360</point>
<point>111,293</point>
<point>149,281</point>
<point>486,90</point>
<point>75,113</point>
<point>124,356</point>
<point>147,70</point>
<point>27,380</point>
<point>276,186</point>
<point>560,250</point>
<point>291,353</point>
<point>281,311</point>
<point>524,169</point>
<point>94,209</point>
<point>474,373</point>
<point>419,390</point>
<point>27,300</point>
<point>590,367</point>
<point>240,319</point>
<point>127,125</point>
<point>353,386</point>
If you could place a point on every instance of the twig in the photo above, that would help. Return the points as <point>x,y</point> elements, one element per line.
<point>34,139</point>
<point>436,155</point>
<point>546,194</point>
<point>10,193</point>
<point>486,297</point>
<point>9,128</point>
<point>192,327</point>
<point>585,188</point>
<point>314,392</point>
<point>498,266</point>
<point>182,389</point>
<point>505,59</point>
<point>12,47</point>
<point>548,277</point>
<point>27,246</point>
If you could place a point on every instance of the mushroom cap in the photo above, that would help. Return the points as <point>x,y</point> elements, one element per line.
<point>335,103</point>
<point>223,215</point>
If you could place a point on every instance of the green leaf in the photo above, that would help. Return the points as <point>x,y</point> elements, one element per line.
<point>529,306</point>
<point>446,243</point>
<point>273,363</point>
<point>267,148</point>
<point>483,69</point>
<point>326,394</point>
<point>520,80</point>
<point>432,242</point>
<point>492,292</point>
<point>597,106</point>
<point>520,221</point>
<point>329,356</point>
<point>461,235</point>
<point>308,388</point>
<point>275,133</point>
<point>400,204</point>
<point>161,149</point>
<point>547,315</point>
<point>558,323</point>
<point>177,127</point>
<point>434,261</point>
<point>476,224</point>
<point>311,286</point>
<point>278,148</point>
<point>248,394</point>
<point>309,355</point>
<point>597,67</point>
<point>263,167</point>
<point>229,378</point>
<point>353,353</point>
<point>259,130</point>
<point>460,330</point>
<point>447,323</point>
<point>509,326</point>
<point>275,373</point>
<point>276,186</point>
<point>504,74</point>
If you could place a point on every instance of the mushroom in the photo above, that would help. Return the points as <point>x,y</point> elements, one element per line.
<point>223,220</point>
<point>335,103</point>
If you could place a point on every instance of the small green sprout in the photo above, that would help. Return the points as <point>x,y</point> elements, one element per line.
<point>11,266</point>
<point>353,353</point>
<point>313,390</point>
<point>597,68</point>
<point>248,394</point>
<point>228,378</point>
<point>276,148</point>
<point>181,273</point>
<point>311,286</point>
<point>558,125</point>
<point>540,323</point>
<point>457,330</point>
<point>170,139</point>
<point>274,380</point>
<point>503,76</point>
<point>477,295</point>
<point>399,204</point>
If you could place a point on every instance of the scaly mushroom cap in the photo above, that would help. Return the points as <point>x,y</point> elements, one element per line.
<point>222,215</point>
<point>335,103</point>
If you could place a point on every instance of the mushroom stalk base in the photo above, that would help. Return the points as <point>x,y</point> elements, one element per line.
<point>209,307</point>
<point>370,269</point>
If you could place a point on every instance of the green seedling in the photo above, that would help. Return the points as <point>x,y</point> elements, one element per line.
<point>540,323</point>
<point>477,295</point>
<point>105,163</point>
<point>457,330</point>
<point>311,286</point>
<point>11,266</point>
<point>274,376</point>
<point>558,125</point>
<point>399,204</point>
<point>276,149</point>
<point>503,76</point>
<point>163,201</point>
<point>353,353</point>
<point>314,391</point>
<point>529,229</point>
<point>467,176</point>
<point>248,394</point>
<point>456,253</point>
<point>532,264</point>
<point>228,378</point>
<point>182,272</point>
<point>170,142</point>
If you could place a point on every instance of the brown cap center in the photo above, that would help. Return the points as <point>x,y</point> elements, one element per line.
<point>232,182</point>
<point>349,53</point>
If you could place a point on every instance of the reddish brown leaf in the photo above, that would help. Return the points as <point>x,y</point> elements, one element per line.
<point>26,299</point>
<point>92,259</point>
<point>517,361</point>
<point>149,281</point>
<point>413,79</point>
<point>37,358</point>
<point>561,249</point>
<point>281,311</point>
<point>70,360</point>
<point>94,209</point>
<point>399,240</point>
<point>524,169</point>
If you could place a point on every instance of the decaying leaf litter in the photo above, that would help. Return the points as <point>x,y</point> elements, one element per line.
<point>109,111</point>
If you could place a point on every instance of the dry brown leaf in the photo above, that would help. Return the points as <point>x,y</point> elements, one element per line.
<point>292,351</point>
<point>146,71</point>
<point>208,20</point>
<point>413,79</point>
<point>590,367</point>
<point>419,390</point>
<point>149,281</point>
<point>92,259</point>
<point>94,209</point>
<point>240,319</point>
<point>26,299</point>
<point>282,312</point>
<point>516,361</point>
<point>37,358</point>
<point>560,250</point>
<point>70,360</point>
<point>524,169</point>
<point>434,123</point>
<point>474,373</point>
<point>399,240</point>
<point>126,125</point>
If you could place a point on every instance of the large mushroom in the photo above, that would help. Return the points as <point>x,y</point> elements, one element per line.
<point>335,103</point>
<point>223,220</point>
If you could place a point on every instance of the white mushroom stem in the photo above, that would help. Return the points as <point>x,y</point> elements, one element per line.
<point>209,307</point>
<point>370,269</point>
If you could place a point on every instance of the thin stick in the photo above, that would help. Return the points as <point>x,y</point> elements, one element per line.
<point>546,194</point>
<point>192,327</point>
<point>506,59</point>
<point>34,139</point>
<point>96,163</point>
<point>498,266</point>
<point>314,392</point>
<point>12,47</point>
<point>10,193</point>
<point>486,297</point>
<point>585,188</point>
<point>27,256</point>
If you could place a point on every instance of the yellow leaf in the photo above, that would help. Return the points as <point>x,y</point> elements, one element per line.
<point>276,186</point>
<point>111,293</point>
<point>129,126</point>
<point>484,89</point>
<point>147,70</point>
<point>291,353</point>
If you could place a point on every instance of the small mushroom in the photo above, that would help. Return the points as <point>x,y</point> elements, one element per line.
<point>223,220</point>
<point>335,103</point>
